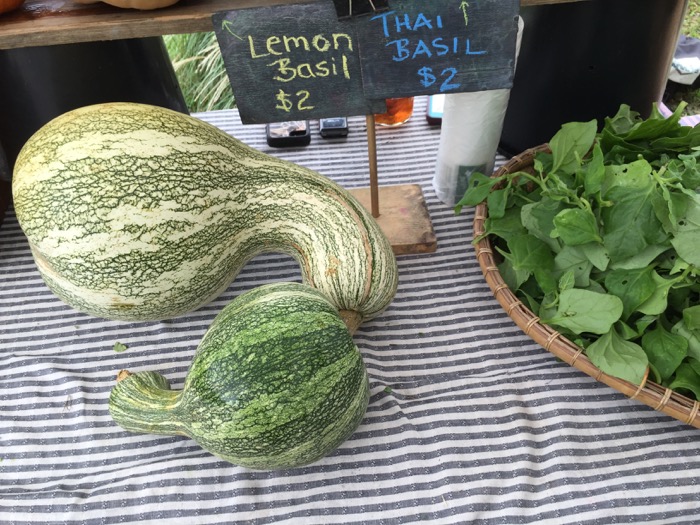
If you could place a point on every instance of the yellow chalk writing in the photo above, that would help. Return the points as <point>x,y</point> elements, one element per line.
<point>276,45</point>
<point>300,57</point>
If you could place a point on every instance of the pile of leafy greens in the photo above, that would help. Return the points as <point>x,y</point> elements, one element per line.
<point>602,242</point>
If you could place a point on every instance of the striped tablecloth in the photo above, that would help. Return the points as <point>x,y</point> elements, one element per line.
<point>469,421</point>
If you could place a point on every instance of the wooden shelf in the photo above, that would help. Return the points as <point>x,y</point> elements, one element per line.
<point>52,22</point>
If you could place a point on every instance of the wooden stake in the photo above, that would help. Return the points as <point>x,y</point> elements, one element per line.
<point>373,179</point>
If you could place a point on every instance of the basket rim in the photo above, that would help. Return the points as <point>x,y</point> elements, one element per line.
<point>658,397</point>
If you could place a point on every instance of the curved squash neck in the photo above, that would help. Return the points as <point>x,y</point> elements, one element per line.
<point>144,402</point>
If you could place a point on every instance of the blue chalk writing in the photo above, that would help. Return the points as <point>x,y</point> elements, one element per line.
<point>404,48</point>
<point>427,78</point>
<point>418,37</point>
<point>403,22</point>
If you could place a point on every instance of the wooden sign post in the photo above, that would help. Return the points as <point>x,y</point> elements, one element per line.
<point>373,170</point>
<point>306,61</point>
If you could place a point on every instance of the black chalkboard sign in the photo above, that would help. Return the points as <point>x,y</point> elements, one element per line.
<point>438,46</point>
<point>301,61</point>
<point>292,62</point>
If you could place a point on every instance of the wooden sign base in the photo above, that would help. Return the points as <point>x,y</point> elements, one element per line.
<point>403,217</point>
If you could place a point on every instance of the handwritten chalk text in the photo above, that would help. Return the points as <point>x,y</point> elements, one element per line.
<point>332,62</point>
<point>279,45</point>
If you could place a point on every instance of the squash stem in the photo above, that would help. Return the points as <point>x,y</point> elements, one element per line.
<point>144,402</point>
<point>352,319</point>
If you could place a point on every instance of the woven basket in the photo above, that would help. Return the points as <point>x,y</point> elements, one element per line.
<point>656,396</point>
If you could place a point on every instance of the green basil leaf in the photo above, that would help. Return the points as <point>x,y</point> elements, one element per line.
<point>644,322</point>
<point>513,277</point>
<point>682,140</point>
<point>669,206</point>
<point>622,122</point>
<point>531,254</point>
<point>627,125</point>
<point>693,338</point>
<point>546,280</point>
<point>642,259</point>
<point>597,254</point>
<point>577,226</point>
<point>478,190</point>
<point>505,227</point>
<point>497,201</point>
<point>690,176</point>
<point>567,281</point>
<point>685,211</point>
<point>585,311</point>
<point>665,350</point>
<point>626,331</point>
<point>619,358</point>
<point>684,224</point>
<point>633,287</point>
<point>687,245</point>
<point>657,303</point>
<point>594,172</point>
<point>686,379</point>
<point>571,143</point>
<point>630,224</point>
<point>573,259</point>
<point>538,219</point>
<point>691,317</point>
<point>694,364</point>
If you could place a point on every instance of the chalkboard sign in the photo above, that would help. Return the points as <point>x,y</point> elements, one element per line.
<point>302,61</point>
<point>438,46</point>
<point>292,62</point>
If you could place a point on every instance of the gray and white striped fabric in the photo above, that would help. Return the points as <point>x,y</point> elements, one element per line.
<point>469,420</point>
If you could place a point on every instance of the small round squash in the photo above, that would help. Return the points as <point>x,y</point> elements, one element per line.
<point>276,382</point>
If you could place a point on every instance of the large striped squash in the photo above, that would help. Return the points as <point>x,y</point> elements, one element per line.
<point>276,382</point>
<point>137,212</point>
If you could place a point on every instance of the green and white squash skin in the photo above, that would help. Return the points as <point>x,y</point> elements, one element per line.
<point>276,382</point>
<point>137,212</point>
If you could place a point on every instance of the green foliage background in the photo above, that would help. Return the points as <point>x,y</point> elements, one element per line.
<point>691,24</point>
<point>200,71</point>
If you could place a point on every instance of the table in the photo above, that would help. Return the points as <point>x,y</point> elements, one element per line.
<point>469,420</point>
